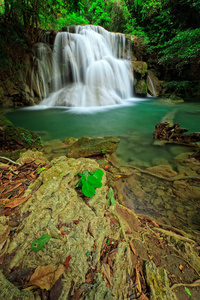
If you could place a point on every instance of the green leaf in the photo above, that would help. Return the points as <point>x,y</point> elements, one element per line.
<point>87,189</point>
<point>110,195</point>
<point>98,173</point>
<point>41,169</point>
<point>187,291</point>
<point>94,181</point>
<point>39,244</point>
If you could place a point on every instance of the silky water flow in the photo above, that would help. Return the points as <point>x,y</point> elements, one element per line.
<point>88,66</point>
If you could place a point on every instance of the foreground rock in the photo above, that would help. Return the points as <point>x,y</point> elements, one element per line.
<point>95,251</point>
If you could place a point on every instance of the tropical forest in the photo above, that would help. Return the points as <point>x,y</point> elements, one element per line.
<point>100,150</point>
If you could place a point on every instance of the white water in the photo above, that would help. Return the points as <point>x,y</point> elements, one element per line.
<point>90,67</point>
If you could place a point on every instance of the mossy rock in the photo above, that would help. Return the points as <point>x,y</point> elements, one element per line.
<point>22,138</point>
<point>5,122</point>
<point>141,87</point>
<point>87,147</point>
<point>140,67</point>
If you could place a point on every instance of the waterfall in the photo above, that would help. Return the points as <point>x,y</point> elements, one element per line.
<point>89,67</point>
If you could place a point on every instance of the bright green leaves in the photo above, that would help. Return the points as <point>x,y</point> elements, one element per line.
<point>110,195</point>
<point>39,244</point>
<point>187,291</point>
<point>89,181</point>
<point>41,169</point>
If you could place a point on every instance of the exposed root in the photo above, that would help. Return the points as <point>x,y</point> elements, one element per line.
<point>120,224</point>
<point>177,236</point>
<point>10,160</point>
<point>194,284</point>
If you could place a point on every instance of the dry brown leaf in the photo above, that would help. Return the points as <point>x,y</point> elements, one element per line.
<point>143,297</point>
<point>45,277</point>
<point>181,268</point>
<point>13,188</point>
<point>88,278</point>
<point>106,272</point>
<point>132,247</point>
<point>138,280</point>
<point>90,230</point>
<point>17,202</point>
<point>5,200</point>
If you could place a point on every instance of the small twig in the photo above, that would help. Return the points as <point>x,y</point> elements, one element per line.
<point>194,284</point>
<point>10,160</point>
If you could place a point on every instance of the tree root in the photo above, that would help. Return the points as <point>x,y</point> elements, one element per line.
<point>178,236</point>
<point>168,228</point>
<point>194,284</point>
<point>171,179</point>
<point>120,224</point>
<point>10,160</point>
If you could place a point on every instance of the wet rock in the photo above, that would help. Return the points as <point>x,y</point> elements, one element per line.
<point>163,170</point>
<point>86,147</point>
<point>12,137</point>
<point>153,84</point>
<point>158,283</point>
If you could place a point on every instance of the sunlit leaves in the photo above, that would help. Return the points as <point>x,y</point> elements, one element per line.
<point>89,181</point>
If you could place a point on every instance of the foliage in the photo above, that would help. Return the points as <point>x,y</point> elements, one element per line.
<point>89,181</point>
<point>39,244</point>
<point>110,195</point>
<point>181,49</point>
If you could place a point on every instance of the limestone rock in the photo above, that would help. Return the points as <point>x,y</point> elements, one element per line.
<point>158,283</point>
<point>154,84</point>
<point>140,67</point>
<point>163,170</point>
<point>86,147</point>
<point>55,206</point>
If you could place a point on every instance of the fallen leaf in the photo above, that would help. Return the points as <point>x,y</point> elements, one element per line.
<point>66,263</point>
<point>88,278</point>
<point>6,200</point>
<point>90,230</point>
<point>17,202</point>
<point>181,268</point>
<point>45,277</point>
<point>13,188</point>
<point>106,272</point>
<point>143,297</point>
<point>138,280</point>
<point>132,247</point>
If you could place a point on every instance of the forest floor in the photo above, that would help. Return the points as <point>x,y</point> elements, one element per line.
<point>164,237</point>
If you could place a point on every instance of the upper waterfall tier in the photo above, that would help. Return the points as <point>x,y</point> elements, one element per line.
<point>89,67</point>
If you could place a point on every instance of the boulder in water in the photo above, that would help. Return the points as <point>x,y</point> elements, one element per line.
<point>87,147</point>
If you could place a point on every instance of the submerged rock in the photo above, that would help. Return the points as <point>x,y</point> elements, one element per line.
<point>86,147</point>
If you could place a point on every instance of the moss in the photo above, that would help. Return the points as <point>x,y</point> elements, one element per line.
<point>22,137</point>
<point>141,87</point>
<point>5,122</point>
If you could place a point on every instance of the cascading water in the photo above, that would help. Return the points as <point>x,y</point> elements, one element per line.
<point>90,67</point>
